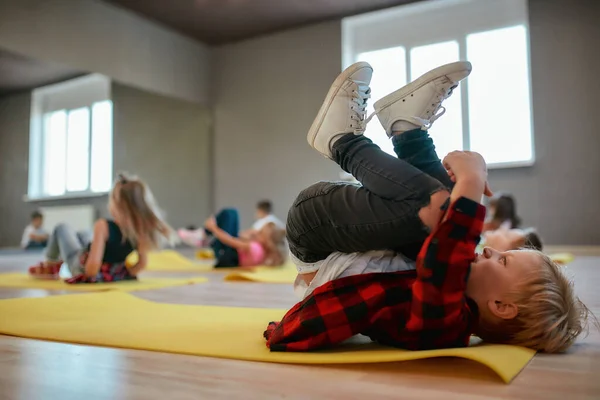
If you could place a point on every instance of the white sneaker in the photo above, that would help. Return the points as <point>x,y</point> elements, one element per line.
<point>343,110</point>
<point>416,105</point>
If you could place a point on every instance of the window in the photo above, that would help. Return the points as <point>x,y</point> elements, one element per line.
<point>491,113</point>
<point>71,139</point>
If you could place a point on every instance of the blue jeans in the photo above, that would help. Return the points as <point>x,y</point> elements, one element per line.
<point>378,214</point>
<point>65,244</point>
<point>228,220</point>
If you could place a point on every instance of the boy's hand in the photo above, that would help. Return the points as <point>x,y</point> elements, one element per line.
<point>467,165</point>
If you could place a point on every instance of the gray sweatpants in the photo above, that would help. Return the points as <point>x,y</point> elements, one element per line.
<point>65,244</point>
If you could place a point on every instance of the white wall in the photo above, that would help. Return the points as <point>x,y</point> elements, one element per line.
<point>98,37</point>
<point>267,93</point>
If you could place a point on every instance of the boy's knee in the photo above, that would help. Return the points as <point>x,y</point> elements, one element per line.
<point>227,214</point>
<point>61,227</point>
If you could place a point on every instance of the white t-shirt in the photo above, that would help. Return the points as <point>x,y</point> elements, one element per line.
<point>258,225</point>
<point>340,265</point>
<point>29,229</point>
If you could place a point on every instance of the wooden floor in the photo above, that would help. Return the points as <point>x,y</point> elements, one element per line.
<point>32,370</point>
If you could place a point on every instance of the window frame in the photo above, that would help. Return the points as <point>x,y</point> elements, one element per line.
<point>436,21</point>
<point>78,93</point>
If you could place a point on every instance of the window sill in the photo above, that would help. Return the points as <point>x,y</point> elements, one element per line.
<point>81,195</point>
<point>512,164</point>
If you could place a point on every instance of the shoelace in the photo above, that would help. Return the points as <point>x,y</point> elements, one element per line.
<point>442,95</point>
<point>360,96</point>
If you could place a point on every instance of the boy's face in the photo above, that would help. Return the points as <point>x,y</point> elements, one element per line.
<point>260,214</point>
<point>37,222</point>
<point>495,275</point>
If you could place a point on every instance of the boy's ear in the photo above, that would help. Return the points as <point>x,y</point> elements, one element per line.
<point>503,310</point>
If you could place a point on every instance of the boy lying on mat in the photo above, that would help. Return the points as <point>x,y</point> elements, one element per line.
<point>342,235</point>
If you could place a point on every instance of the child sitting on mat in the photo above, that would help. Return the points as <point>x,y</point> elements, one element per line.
<point>265,248</point>
<point>408,205</point>
<point>136,224</point>
<point>34,236</point>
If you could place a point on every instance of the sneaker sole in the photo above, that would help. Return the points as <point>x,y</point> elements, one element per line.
<point>335,88</point>
<point>444,70</point>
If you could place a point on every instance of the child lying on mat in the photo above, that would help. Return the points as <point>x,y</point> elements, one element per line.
<point>411,204</point>
<point>501,230</point>
<point>136,224</point>
<point>502,213</point>
<point>267,247</point>
<point>264,215</point>
<point>504,239</point>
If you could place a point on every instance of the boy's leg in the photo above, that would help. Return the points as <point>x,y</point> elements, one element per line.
<point>63,244</point>
<point>416,148</point>
<point>406,115</point>
<point>417,102</point>
<point>383,213</point>
<point>228,220</point>
<point>84,237</point>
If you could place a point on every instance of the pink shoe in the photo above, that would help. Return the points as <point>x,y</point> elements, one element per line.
<point>193,238</point>
<point>46,271</point>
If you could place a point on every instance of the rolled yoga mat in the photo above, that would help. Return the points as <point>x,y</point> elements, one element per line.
<point>117,319</point>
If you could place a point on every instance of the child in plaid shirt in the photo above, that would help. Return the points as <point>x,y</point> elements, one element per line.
<point>425,210</point>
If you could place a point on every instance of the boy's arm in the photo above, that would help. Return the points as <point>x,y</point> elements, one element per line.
<point>94,259</point>
<point>229,240</point>
<point>224,237</point>
<point>26,236</point>
<point>438,310</point>
<point>38,237</point>
<point>248,234</point>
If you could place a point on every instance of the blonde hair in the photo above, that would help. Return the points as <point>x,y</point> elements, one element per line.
<point>139,217</point>
<point>550,316</point>
<point>275,246</point>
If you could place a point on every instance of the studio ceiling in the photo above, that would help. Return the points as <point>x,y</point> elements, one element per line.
<point>19,73</point>
<point>223,21</point>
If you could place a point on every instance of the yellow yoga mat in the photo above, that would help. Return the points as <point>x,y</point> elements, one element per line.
<point>562,258</point>
<point>264,274</point>
<point>117,319</point>
<point>170,261</point>
<point>19,280</point>
<point>284,274</point>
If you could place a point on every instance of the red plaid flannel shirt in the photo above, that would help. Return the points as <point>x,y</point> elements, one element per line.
<point>415,310</point>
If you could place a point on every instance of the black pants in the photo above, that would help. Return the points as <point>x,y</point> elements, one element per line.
<point>228,220</point>
<point>382,212</point>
